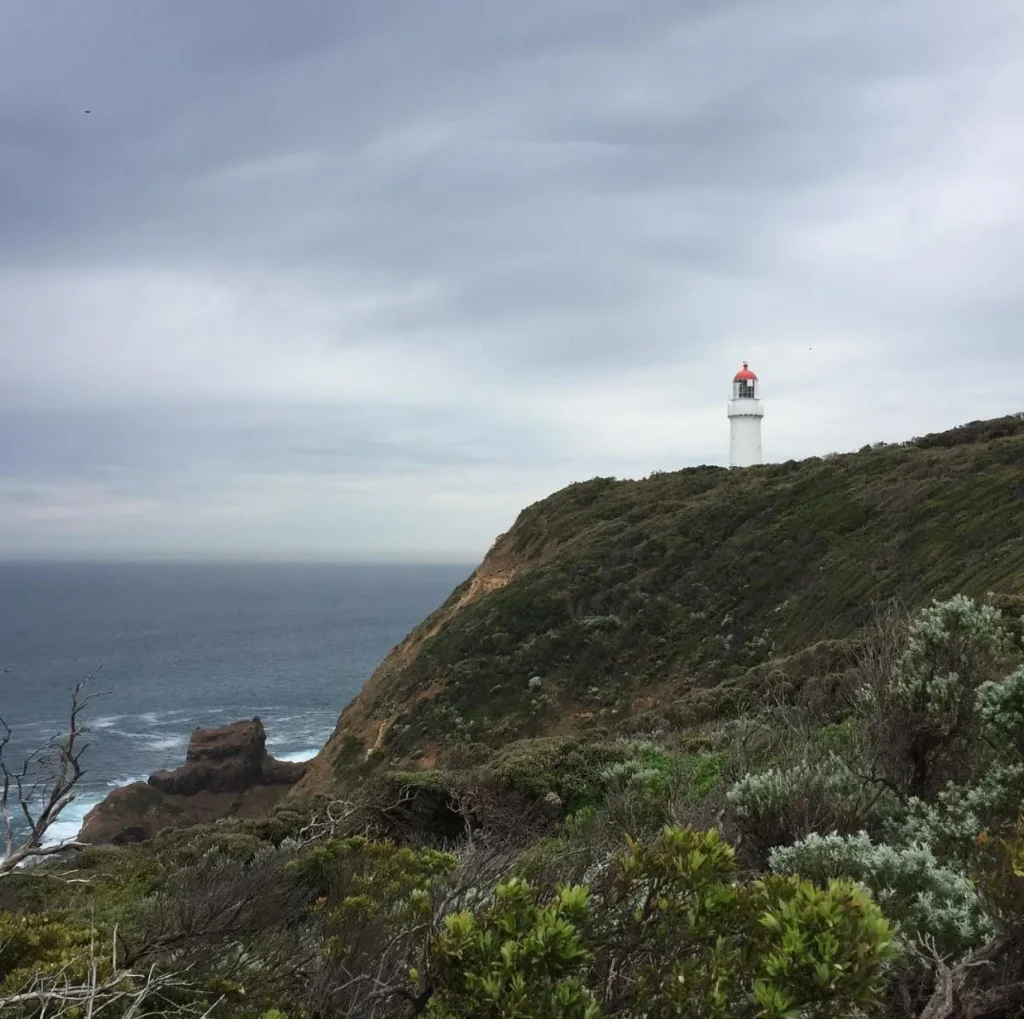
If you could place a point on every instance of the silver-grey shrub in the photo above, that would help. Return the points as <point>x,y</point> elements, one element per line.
<point>925,898</point>
<point>778,806</point>
<point>1000,708</point>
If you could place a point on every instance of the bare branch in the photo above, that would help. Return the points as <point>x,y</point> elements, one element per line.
<point>137,993</point>
<point>42,785</point>
<point>338,819</point>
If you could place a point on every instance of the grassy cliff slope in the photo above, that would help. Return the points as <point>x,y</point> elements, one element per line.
<point>628,606</point>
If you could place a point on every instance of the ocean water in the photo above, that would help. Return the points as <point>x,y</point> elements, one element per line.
<point>174,646</point>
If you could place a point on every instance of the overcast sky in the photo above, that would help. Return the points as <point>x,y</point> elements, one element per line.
<point>363,278</point>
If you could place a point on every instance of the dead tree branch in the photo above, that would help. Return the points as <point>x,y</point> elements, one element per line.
<point>41,786</point>
<point>130,993</point>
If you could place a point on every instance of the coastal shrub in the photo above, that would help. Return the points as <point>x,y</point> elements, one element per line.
<point>925,898</point>
<point>550,856</point>
<point>360,877</point>
<point>1000,707</point>
<point>1000,865</point>
<point>682,936</point>
<point>784,804</point>
<point>567,766</point>
<point>951,822</point>
<point>518,956</point>
<point>923,712</point>
<point>662,774</point>
<point>367,910</point>
<point>665,929</point>
<point>233,925</point>
<point>461,755</point>
<point>647,790</point>
<point>33,944</point>
<point>825,947</point>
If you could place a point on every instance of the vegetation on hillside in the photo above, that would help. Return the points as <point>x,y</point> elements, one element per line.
<point>856,856</point>
<point>641,606</point>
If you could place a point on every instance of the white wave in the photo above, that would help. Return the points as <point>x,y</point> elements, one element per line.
<point>70,821</point>
<point>154,741</point>
<point>71,817</point>
<point>116,783</point>
<point>169,717</point>
<point>105,721</point>
<point>298,756</point>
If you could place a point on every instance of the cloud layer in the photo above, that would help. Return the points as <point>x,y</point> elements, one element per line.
<point>363,279</point>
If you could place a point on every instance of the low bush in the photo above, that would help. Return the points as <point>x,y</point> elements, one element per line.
<point>782,805</point>
<point>923,897</point>
<point>681,935</point>
<point>49,943</point>
<point>920,710</point>
<point>518,956</point>
<point>567,766</point>
<point>1000,707</point>
<point>951,822</point>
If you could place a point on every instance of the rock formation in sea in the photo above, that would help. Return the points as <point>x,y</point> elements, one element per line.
<point>227,773</point>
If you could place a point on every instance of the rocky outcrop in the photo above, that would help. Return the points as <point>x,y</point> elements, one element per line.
<point>227,773</point>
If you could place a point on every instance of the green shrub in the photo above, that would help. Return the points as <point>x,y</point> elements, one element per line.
<point>644,792</point>
<point>52,942</point>
<point>687,938</point>
<point>356,875</point>
<point>567,766</point>
<point>686,777</point>
<point>1000,865</point>
<point>825,947</point>
<point>518,957</point>
<point>950,823</point>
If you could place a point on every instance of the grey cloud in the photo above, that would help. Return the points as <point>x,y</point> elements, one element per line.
<point>150,450</point>
<point>498,246</point>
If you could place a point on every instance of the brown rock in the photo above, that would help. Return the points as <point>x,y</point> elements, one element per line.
<point>227,773</point>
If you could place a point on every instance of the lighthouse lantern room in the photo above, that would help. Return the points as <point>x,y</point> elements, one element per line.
<point>745,413</point>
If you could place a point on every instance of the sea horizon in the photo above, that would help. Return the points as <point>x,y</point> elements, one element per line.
<point>173,645</point>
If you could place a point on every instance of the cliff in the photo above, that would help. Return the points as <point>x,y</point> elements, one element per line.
<point>628,606</point>
<point>227,773</point>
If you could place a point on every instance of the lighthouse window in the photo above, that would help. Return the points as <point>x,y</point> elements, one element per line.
<point>745,390</point>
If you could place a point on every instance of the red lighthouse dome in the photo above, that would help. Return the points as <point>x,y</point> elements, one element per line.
<point>744,374</point>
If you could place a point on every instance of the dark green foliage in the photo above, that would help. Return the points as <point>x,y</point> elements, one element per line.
<point>367,876</point>
<point>974,432</point>
<point>44,942</point>
<point>655,786</point>
<point>567,766</point>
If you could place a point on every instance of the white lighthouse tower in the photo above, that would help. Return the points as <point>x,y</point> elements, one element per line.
<point>745,413</point>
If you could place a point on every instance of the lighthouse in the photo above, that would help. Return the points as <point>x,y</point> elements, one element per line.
<point>745,413</point>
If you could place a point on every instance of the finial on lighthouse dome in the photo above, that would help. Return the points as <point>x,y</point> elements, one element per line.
<point>745,413</point>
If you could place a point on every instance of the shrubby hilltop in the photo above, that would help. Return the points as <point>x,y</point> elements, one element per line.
<point>616,607</point>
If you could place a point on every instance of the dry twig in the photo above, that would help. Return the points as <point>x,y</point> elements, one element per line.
<point>41,786</point>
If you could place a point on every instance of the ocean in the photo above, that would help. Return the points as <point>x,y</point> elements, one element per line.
<point>179,645</point>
